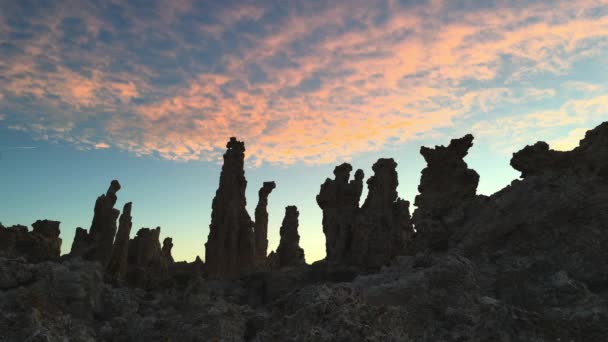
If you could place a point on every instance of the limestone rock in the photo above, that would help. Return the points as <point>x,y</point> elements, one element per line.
<point>230,247</point>
<point>339,200</point>
<point>96,245</point>
<point>147,266</point>
<point>40,244</point>
<point>590,157</point>
<point>289,252</point>
<point>372,235</point>
<point>261,223</point>
<point>117,267</point>
<point>382,226</point>
<point>167,246</point>
<point>446,187</point>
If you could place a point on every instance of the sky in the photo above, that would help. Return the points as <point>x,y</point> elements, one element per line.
<point>149,92</point>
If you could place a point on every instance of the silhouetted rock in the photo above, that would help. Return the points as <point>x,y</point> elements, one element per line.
<point>372,235</point>
<point>167,246</point>
<point>289,252</point>
<point>117,267</point>
<point>40,244</point>
<point>446,187</point>
<point>230,247</point>
<point>528,263</point>
<point>96,245</point>
<point>147,266</point>
<point>261,223</point>
<point>183,273</point>
<point>382,226</point>
<point>590,157</point>
<point>339,200</point>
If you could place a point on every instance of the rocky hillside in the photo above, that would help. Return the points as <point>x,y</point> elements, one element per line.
<point>529,263</point>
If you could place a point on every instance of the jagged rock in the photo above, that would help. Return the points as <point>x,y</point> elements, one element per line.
<point>339,200</point>
<point>42,243</point>
<point>230,247</point>
<point>147,266</point>
<point>167,246</point>
<point>590,157</point>
<point>96,245</point>
<point>183,273</point>
<point>289,252</point>
<point>528,263</point>
<point>446,187</point>
<point>372,235</point>
<point>117,267</point>
<point>261,223</point>
<point>382,226</point>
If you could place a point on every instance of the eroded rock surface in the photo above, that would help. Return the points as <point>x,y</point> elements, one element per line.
<point>40,244</point>
<point>289,252</point>
<point>382,226</point>
<point>147,265</point>
<point>261,223</point>
<point>96,244</point>
<point>230,247</point>
<point>339,200</point>
<point>167,247</point>
<point>372,235</point>
<point>590,157</point>
<point>528,263</point>
<point>117,267</point>
<point>447,188</point>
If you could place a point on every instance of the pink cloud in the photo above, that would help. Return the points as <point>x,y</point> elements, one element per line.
<point>350,90</point>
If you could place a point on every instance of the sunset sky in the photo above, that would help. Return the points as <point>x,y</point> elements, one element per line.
<point>148,92</point>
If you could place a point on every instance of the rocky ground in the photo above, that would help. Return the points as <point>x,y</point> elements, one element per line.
<point>529,263</point>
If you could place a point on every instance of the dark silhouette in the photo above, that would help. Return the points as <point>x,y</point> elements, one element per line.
<point>528,263</point>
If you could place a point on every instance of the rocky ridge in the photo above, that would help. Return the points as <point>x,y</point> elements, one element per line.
<point>527,263</point>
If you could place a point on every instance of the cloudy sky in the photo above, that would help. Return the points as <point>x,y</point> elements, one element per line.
<point>149,92</point>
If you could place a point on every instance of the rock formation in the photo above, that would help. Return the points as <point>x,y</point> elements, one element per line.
<point>96,245</point>
<point>261,223</point>
<point>147,266</point>
<point>590,157</point>
<point>40,244</point>
<point>167,246</point>
<point>372,235</point>
<point>230,247</point>
<point>528,263</point>
<point>382,225</point>
<point>117,267</point>
<point>289,252</point>
<point>339,200</point>
<point>447,185</point>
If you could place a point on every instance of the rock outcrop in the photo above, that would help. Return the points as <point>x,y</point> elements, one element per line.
<point>528,263</point>
<point>382,226</point>
<point>147,266</point>
<point>167,247</point>
<point>40,244</point>
<point>447,187</point>
<point>96,244</point>
<point>230,247</point>
<point>117,267</point>
<point>339,200</point>
<point>289,252</point>
<point>372,235</point>
<point>261,223</point>
<point>590,157</point>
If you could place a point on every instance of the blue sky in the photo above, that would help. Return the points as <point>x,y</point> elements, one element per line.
<point>148,92</point>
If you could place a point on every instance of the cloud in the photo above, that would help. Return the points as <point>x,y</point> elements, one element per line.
<point>101,146</point>
<point>569,142</point>
<point>576,116</point>
<point>299,82</point>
